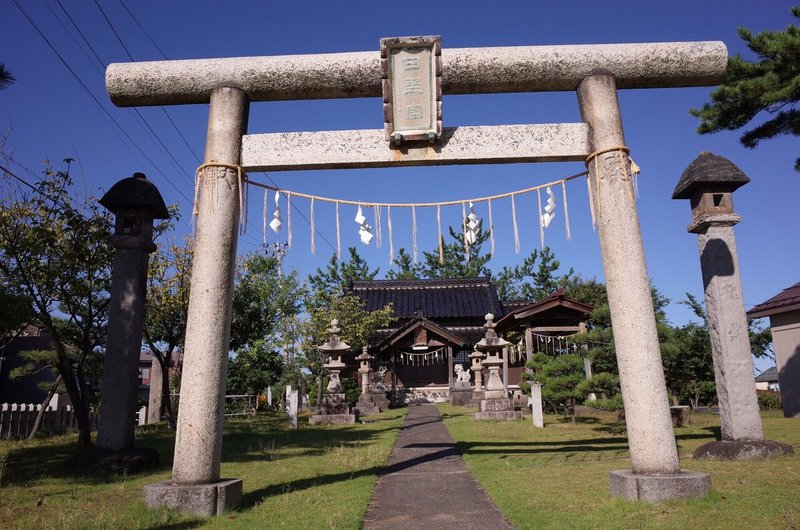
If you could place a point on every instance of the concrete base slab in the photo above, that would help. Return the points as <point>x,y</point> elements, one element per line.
<point>496,405</point>
<point>366,409</point>
<point>204,500</point>
<point>740,450</point>
<point>504,415</point>
<point>460,396</point>
<point>656,488</point>
<point>332,419</point>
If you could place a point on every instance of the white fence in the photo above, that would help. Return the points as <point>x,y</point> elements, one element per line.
<point>17,419</point>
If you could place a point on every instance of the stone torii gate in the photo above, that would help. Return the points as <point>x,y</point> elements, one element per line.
<point>595,72</point>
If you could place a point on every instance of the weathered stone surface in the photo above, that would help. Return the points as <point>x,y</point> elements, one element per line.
<point>657,488</point>
<point>492,405</point>
<point>155,395</point>
<point>198,440</point>
<point>507,415</point>
<point>380,399</point>
<point>681,415</point>
<point>742,449</point>
<point>332,419</point>
<point>464,71</point>
<point>461,397</point>
<point>334,403</point>
<point>459,145</point>
<point>204,500</point>
<point>366,409</point>
<point>537,411</point>
<point>644,392</point>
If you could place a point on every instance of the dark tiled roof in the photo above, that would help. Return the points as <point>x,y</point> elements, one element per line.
<point>469,298</point>
<point>556,310</point>
<point>709,169</point>
<point>783,302</point>
<point>767,376</point>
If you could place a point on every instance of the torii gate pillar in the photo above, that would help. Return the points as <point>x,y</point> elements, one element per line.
<point>656,473</point>
<point>196,486</point>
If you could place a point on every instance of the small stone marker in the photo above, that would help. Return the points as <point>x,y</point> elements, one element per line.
<point>292,405</point>
<point>537,413</point>
<point>269,395</point>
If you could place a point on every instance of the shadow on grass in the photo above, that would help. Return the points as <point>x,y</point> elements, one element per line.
<point>178,526</point>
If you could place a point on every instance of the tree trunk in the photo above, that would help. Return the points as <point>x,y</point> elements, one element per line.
<point>166,396</point>
<point>77,394</point>
<point>43,408</point>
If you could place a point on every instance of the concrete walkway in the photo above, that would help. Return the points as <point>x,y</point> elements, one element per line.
<point>426,484</point>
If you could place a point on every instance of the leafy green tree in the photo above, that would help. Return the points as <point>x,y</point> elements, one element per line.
<point>55,248</point>
<point>333,279</point>
<point>36,362</point>
<point>563,381</point>
<point>458,261</point>
<point>166,310</point>
<point>771,85</point>
<point>6,79</point>
<point>532,281</point>
<point>254,368</point>
<point>15,315</point>
<point>406,268</point>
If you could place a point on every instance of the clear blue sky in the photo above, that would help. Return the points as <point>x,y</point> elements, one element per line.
<point>47,114</point>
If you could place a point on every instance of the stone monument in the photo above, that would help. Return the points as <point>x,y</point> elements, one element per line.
<point>334,408</point>
<point>496,405</point>
<point>366,405</point>
<point>135,202</point>
<point>461,393</point>
<point>477,369</point>
<point>292,405</point>
<point>709,183</point>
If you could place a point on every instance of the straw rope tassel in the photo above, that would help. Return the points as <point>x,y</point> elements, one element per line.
<point>289,219</point>
<point>376,214</point>
<point>265,216</point>
<point>389,224</point>
<point>338,235</point>
<point>516,228</point>
<point>246,206</point>
<point>313,229</point>
<point>566,210</point>
<point>491,229</point>
<point>439,224</point>
<point>541,224</point>
<point>464,229</point>
<point>414,231</point>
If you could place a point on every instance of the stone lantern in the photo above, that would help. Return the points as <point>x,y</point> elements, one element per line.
<point>334,407</point>
<point>477,370</point>
<point>366,404</point>
<point>709,183</point>
<point>135,202</point>
<point>495,405</point>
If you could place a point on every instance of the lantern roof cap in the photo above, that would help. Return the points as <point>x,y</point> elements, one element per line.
<point>709,171</point>
<point>135,192</point>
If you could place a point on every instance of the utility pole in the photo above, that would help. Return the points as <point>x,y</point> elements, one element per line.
<point>278,250</point>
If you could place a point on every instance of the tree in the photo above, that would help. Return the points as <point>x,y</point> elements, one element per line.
<point>35,362</point>
<point>333,280</point>
<point>6,79</point>
<point>563,381</point>
<point>530,281</point>
<point>255,367</point>
<point>166,310</point>
<point>407,269</point>
<point>770,85</point>
<point>56,250</point>
<point>458,262</point>
<point>15,315</point>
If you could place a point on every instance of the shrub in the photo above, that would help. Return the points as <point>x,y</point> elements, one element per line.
<point>610,404</point>
<point>769,400</point>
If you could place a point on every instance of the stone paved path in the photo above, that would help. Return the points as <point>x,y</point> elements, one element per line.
<point>426,484</point>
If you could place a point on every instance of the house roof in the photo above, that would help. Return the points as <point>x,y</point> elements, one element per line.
<point>769,375</point>
<point>783,302</point>
<point>706,171</point>
<point>556,309</point>
<point>469,298</point>
<point>416,323</point>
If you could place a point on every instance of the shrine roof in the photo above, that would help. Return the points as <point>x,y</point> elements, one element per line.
<point>434,298</point>
<point>783,302</point>
<point>555,309</point>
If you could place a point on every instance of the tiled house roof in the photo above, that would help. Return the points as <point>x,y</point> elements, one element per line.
<point>783,302</point>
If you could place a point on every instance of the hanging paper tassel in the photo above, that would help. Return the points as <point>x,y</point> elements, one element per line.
<point>541,217</point>
<point>338,234</point>
<point>635,170</point>
<point>275,224</point>
<point>244,200</point>
<point>566,210</point>
<point>289,219</point>
<point>391,242</point>
<point>591,202</point>
<point>364,230</point>
<point>414,231</point>
<point>265,216</point>
<point>441,242</point>
<point>491,229</point>
<point>313,229</point>
<point>514,219</point>
<point>473,224</point>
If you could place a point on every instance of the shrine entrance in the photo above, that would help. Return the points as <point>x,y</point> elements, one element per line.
<point>412,74</point>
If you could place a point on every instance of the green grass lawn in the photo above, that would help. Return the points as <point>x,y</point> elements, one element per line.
<point>315,477</point>
<point>557,477</point>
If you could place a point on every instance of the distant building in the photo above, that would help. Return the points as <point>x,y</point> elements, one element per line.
<point>768,380</point>
<point>783,311</point>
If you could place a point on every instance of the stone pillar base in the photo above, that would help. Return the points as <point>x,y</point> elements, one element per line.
<point>332,419</point>
<point>366,409</point>
<point>477,397</point>
<point>460,396</point>
<point>656,488</point>
<point>204,500</point>
<point>740,450</point>
<point>501,415</point>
